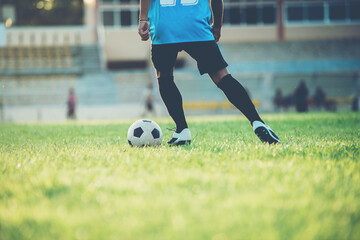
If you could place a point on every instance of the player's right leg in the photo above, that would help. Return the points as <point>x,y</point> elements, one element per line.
<point>164,57</point>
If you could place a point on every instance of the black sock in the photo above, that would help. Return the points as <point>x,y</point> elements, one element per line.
<point>173,101</point>
<point>238,96</point>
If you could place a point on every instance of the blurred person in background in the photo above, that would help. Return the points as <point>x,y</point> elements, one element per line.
<point>319,98</point>
<point>356,101</point>
<point>71,104</point>
<point>278,100</point>
<point>149,101</point>
<point>178,25</point>
<point>1,110</point>
<point>301,97</point>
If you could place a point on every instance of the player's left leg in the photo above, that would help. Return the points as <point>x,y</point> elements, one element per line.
<point>211,61</point>
<point>238,96</point>
<point>235,93</point>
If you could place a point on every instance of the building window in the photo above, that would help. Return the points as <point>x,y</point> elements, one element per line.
<point>252,16</point>
<point>120,13</point>
<point>125,13</point>
<point>125,17</point>
<point>249,12</point>
<point>269,14</point>
<point>354,10</point>
<point>322,12</point>
<point>233,15</point>
<point>337,11</point>
<point>295,13</point>
<point>315,12</point>
<point>108,18</point>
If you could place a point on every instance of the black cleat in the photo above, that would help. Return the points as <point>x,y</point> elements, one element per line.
<point>265,133</point>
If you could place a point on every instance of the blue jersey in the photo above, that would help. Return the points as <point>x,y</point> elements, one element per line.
<point>176,21</point>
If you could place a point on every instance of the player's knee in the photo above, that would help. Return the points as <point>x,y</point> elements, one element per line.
<point>165,80</point>
<point>219,75</point>
<point>165,74</point>
<point>223,80</point>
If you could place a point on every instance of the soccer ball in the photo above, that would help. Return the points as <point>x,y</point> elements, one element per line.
<point>144,132</point>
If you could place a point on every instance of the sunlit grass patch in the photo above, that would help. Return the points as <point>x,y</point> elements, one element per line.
<point>81,180</point>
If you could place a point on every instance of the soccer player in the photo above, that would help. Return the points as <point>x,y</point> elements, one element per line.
<point>176,25</point>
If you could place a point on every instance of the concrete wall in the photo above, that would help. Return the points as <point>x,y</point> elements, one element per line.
<point>322,31</point>
<point>124,44</point>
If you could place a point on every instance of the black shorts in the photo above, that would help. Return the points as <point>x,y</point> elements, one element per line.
<point>207,55</point>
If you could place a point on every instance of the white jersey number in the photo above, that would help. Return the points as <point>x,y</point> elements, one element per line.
<point>189,2</point>
<point>170,3</point>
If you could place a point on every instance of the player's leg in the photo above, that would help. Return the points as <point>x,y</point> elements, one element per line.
<point>172,99</point>
<point>235,93</point>
<point>164,57</point>
<point>238,96</point>
<point>211,61</point>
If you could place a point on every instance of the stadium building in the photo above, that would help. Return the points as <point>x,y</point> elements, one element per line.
<point>50,46</point>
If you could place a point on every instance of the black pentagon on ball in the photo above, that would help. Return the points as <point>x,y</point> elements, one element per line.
<point>138,131</point>
<point>156,133</point>
<point>130,142</point>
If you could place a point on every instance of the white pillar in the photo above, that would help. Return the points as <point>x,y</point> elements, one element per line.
<point>2,35</point>
<point>89,13</point>
<point>91,17</point>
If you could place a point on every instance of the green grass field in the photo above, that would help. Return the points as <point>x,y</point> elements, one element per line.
<point>81,180</point>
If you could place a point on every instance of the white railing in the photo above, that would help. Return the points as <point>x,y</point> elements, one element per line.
<point>49,36</point>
